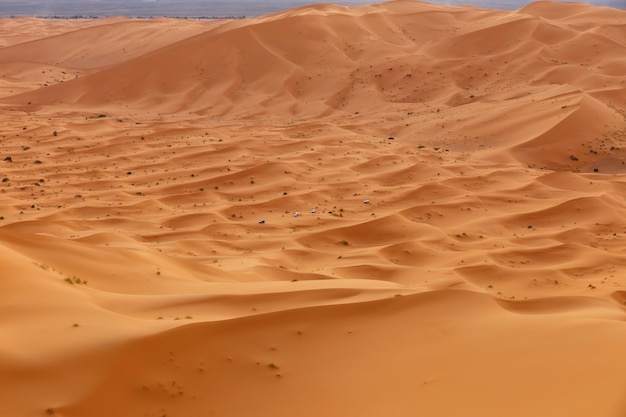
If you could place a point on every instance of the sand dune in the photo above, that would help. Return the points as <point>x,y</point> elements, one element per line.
<point>394,209</point>
<point>109,42</point>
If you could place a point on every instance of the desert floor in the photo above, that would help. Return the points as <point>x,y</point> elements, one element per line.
<point>391,210</point>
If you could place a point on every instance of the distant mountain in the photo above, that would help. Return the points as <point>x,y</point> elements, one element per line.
<point>205,8</point>
<point>149,8</point>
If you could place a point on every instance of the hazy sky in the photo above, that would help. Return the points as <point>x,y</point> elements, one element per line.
<point>208,7</point>
<point>516,4</point>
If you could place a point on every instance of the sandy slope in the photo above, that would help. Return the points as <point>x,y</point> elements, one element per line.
<point>400,209</point>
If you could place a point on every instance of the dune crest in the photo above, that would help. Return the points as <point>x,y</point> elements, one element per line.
<point>389,209</point>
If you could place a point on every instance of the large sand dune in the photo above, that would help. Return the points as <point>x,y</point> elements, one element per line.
<point>400,209</point>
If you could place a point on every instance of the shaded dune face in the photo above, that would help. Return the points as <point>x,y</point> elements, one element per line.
<point>393,209</point>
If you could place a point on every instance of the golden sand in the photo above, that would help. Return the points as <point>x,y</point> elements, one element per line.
<point>391,210</point>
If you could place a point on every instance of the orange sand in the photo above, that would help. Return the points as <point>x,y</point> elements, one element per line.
<point>455,253</point>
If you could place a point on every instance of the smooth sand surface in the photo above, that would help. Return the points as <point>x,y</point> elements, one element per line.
<point>391,210</point>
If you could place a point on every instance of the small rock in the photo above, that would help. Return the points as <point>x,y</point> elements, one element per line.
<point>296,214</point>
<point>8,159</point>
<point>261,221</point>
<point>366,201</point>
<point>313,211</point>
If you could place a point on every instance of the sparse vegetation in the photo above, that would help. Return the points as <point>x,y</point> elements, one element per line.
<point>75,280</point>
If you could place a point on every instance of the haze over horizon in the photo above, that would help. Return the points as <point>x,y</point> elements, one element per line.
<point>215,8</point>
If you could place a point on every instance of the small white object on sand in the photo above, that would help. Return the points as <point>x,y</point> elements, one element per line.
<point>296,214</point>
<point>313,211</point>
<point>261,221</point>
<point>366,201</point>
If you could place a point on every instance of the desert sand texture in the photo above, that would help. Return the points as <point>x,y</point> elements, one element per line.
<point>390,210</point>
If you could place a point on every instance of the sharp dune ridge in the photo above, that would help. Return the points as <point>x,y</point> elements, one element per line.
<point>394,209</point>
